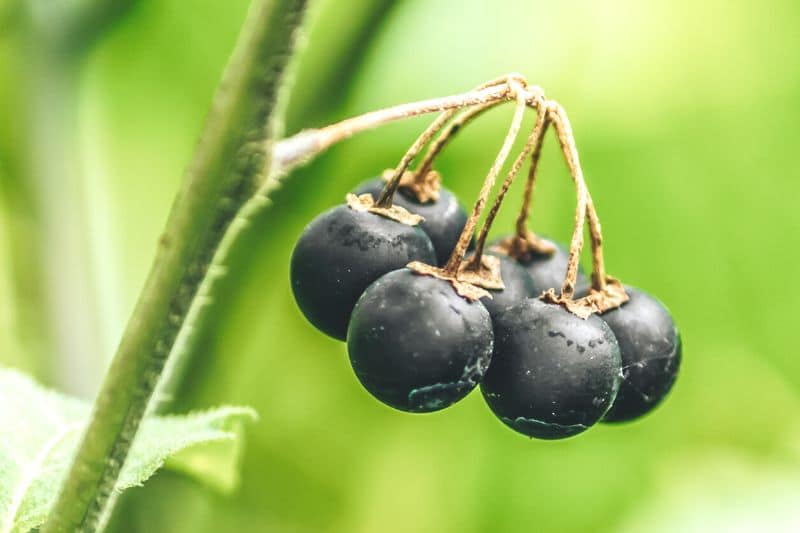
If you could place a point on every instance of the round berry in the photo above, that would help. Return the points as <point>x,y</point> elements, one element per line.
<point>518,286</point>
<point>444,218</point>
<point>650,346</point>
<point>548,271</point>
<point>553,375</point>
<point>340,253</point>
<point>415,344</point>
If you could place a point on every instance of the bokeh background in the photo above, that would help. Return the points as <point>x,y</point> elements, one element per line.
<point>686,114</point>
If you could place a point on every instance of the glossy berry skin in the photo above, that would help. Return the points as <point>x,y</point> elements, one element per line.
<point>548,271</point>
<point>518,286</point>
<point>444,218</point>
<point>651,354</point>
<point>340,253</point>
<point>415,344</point>
<point>553,375</point>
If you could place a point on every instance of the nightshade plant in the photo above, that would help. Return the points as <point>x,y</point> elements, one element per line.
<point>421,337</point>
<point>393,280</point>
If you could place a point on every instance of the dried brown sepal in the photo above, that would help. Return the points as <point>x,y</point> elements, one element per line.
<point>611,297</point>
<point>425,189</point>
<point>365,203</point>
<point>463,288</point>
<point>523,248</point>
<point>486,274</point>
<point>596,301</point>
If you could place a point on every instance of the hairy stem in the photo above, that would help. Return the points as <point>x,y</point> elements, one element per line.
<point>224,174</point>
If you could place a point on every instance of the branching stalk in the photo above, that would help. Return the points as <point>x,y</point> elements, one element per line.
<point>457,256</point>
<point>534,141</point>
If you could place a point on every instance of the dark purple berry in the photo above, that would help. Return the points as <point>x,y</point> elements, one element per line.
<point>650,346</point>
<point>340,253</point>
<point>415,344</point>
<point>444,218</point>
<point>553,375</point>
<point>518,286</point>
<point>548,271</point>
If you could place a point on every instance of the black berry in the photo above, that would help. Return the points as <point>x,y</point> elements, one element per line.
<point>553,375</point>
<point>340,253</point>
<point>548,271</point>
<point>415,344</point>
<point>518,286</point>
<point>651,354</point>
<point>444,218</point>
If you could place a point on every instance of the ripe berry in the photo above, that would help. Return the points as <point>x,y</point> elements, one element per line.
<point>518,286</point>
<point>444,218</point>
<point>340,253</point>
<point>548,271</point>
<point>415,344</point>
<point>650,346</point>
<point>553,375</point>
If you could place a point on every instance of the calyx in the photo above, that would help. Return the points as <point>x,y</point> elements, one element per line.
<point>524,248</point>
<point>597,301</point>
<point>365,203</point>
<point>425,189</point>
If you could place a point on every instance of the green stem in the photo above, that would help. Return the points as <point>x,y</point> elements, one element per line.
<point>225,173</point>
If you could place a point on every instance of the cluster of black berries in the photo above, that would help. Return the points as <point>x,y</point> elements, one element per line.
<point>418,346</point>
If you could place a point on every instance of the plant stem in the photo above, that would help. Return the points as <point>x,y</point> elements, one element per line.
<point>527,196</point>
<point>226,171</point>
<point>299,148</point>
<point>447,135</point>
<point>460,249</point>
<point>534,141</point>
<point>385,198</point>
<point>566,138</point>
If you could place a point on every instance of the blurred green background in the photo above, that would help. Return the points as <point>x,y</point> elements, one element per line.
<point>686,116</point>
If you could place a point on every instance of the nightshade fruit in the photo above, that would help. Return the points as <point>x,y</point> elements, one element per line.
<point>518,286</point>
<point>415,344</point>
<point>340,253</point>
<point>650,346</point>
<point>549,271</point>
<point>553,375</point>
<point>444,218</point>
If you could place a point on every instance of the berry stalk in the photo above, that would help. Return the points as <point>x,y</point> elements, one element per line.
<point>447,135</point>
<point>457,256</point>
<point>385,199</point>
<point>584,207</point>
<point>527,196</point>
<point>533,143</point>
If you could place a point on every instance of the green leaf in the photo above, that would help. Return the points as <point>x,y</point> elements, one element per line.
<point>41,430</point>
